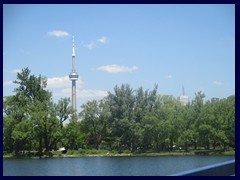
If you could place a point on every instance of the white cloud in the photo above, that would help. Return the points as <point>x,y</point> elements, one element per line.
<point>87,93</point>
<point>81,93</point>
<point>218,83</point>
<point>65,92</point>
<point>61,82</point>
<point>117,68</point>
<point>169,76</point>
<point>103,40</point>
<point>58,33</point>
<point>15,71</point>
<point>7,83</point>
<point>61,87</point>
<point>90,45</point>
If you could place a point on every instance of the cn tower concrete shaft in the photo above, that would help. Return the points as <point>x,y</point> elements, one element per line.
<point>74,102</point>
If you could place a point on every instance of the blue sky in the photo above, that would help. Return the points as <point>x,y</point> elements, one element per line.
<point>142,45</point>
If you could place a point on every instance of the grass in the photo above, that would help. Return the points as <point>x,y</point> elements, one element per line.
<point>83,152</point>
<point>8,155</point>
<point>57,154</point>
<point>94,152</point>
<point>214,152</point>
<point>229,153</point>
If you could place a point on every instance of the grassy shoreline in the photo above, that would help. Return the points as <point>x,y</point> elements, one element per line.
<point>105,153</point>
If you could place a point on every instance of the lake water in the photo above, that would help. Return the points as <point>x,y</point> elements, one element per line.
<point>108,166</point>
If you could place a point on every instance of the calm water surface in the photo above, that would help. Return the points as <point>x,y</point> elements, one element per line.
<point>108,166</point>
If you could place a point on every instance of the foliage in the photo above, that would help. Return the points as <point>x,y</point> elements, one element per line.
<point>31,118</point>
<point>126,120</point>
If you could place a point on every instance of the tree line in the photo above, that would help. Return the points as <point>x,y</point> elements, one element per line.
<point>136,120</point>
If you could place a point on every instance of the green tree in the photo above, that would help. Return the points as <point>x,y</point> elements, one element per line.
<point>220,116</point>
<point>121,105</point>
<point>170,116</point>
<point>229,121</point>
<point>197,106</point>
<point>22,136</point>
<point>63,110</point>
<point>149,131</point>
<point>31,115</point>
<point>73,137</point>
<point>94,121</point>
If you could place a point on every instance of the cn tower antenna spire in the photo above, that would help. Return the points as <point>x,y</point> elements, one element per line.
<point>73,49</point>
<point>73,56</point>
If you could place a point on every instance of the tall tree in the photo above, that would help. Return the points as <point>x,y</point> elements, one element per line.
<point>32,111</point>
<point>121,104</point>
<point>94,121</point>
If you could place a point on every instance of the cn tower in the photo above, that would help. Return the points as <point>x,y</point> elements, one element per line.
<point>73,76</point>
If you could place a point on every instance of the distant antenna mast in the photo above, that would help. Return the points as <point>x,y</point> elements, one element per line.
<point>183,91</point>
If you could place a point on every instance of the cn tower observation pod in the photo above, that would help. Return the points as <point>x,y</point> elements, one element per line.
<point>73,76</point>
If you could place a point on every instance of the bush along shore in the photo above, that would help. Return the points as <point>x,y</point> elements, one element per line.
<point>94,152</point>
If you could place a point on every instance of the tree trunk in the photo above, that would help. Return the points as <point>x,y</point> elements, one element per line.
<point>40,148</point>
<point>46,145</point>
<point>186,147</point>
<point>171,145</point>
<point>214,145</point>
